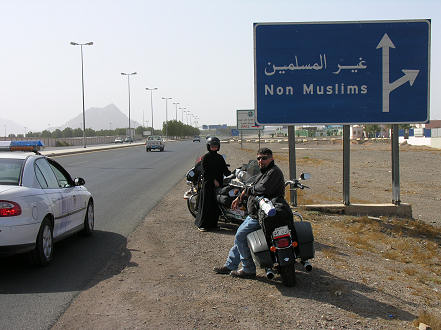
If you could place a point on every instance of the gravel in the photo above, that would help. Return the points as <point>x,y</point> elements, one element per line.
<point>163,278</point>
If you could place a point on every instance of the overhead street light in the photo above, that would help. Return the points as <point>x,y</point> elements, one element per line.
<point>166,116</point>
<point>151,102</point>
<point>176,104</point>
<point>128,84</point>
<point>182,114</point>
<point>186,115</point>
<point>82,85</point>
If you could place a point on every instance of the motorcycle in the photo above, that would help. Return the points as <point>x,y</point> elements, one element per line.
<point>277,251</point>
<point>232,187</point>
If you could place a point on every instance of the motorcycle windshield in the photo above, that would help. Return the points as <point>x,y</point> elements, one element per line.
<point>252,170</point>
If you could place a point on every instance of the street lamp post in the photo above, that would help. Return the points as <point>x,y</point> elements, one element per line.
<point>128,84</point>
<point>166,116</point>
<point>176,104</point>
<point>182,114</point>
<point>196,119</point>
<point>82,86</point>
<point>187,113</point>
<point>151,102</point>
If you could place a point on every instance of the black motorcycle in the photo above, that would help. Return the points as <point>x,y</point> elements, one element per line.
<point>282,240</point>
<point>232,187</point>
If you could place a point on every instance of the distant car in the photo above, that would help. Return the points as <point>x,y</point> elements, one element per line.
<point>118,140</point>
<point>128,139</point>
<point>196,139</point>
<point>39,204</point>
<point>154,142</point>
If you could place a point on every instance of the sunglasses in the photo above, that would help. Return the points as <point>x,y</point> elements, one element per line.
<point>262,157</point>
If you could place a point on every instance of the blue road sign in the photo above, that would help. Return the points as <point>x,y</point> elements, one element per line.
<point>342,72</point>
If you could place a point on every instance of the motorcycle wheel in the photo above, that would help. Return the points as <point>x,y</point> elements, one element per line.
<point>288,274</point>
<point>193,205</point>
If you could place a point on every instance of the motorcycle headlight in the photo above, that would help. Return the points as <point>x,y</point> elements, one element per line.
<point>190,175</point>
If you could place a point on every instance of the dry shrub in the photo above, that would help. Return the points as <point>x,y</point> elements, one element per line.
<point>395,255</point>
<point>410,271</point>
<point>331,253</point>
<point>360,242</point>
<point>429,318</point>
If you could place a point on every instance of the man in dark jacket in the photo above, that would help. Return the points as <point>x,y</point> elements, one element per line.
<point>213,170</point>
<point>270,184</point>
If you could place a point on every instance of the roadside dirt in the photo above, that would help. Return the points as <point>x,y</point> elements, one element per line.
<point>376,273</point>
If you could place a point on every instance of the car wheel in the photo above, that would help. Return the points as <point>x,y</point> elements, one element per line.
<point>44,248</point>
<point>89,220</point>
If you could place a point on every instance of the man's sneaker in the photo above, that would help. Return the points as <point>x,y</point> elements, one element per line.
<point>222,270</point>
<point>242,274</point>
<point>202,229</point>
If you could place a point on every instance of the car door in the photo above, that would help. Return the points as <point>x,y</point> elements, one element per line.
<point>49,183</point>
<point>72,197</point>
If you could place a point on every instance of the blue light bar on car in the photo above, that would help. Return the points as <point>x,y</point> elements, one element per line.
<point>27,145</point>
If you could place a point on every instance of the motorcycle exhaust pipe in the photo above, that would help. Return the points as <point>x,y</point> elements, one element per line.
<point>269,273</point>
<point>307,266</point>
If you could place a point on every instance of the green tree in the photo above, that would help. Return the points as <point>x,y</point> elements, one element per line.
<point>67,132</point>
<point>372,130</point>
<point>57,133</point>
<point>90,132</point>
<point>139,130</point>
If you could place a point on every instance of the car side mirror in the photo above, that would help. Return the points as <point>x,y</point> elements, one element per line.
<point>79,181</point>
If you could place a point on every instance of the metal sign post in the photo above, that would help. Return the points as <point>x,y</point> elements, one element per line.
<point>292,163</point>
<point>395,166</point>
<point>346,163</point>
<point>259,138</point>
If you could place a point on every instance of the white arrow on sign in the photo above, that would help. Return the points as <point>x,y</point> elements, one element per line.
<point>409,75</point>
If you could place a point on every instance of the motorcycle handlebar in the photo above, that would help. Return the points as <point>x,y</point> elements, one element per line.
<point>296,184</point>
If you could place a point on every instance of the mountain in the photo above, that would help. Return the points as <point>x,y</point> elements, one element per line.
<point>109,117</point>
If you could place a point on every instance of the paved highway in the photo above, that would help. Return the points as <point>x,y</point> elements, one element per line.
<point>126,184</point>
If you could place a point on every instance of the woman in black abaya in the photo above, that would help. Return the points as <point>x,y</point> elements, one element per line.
<point>213,170</point>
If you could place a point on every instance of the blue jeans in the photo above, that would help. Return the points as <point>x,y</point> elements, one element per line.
<point>240,252</point>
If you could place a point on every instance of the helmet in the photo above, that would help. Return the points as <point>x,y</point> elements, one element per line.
<point>213,141</point>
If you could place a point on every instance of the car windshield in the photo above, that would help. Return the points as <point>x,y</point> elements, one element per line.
<point>10,170</point>
<point>151,138</point>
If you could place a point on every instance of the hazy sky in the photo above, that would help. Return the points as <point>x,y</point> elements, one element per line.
<point>198,52</point>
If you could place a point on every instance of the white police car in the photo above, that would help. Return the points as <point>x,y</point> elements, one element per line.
<point>39,202</point>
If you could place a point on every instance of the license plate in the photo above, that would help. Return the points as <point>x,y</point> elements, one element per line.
<point>280,231</point>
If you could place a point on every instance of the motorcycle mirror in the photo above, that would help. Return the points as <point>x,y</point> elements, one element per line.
<point>191,174</point>
<point>305,176</point>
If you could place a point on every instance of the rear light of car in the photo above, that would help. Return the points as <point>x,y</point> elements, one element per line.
<point>9,209</point>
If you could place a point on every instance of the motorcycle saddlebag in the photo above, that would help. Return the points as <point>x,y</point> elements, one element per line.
<point>305,238</point>
<point>259,249</point>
